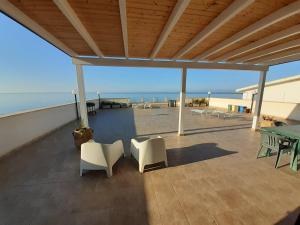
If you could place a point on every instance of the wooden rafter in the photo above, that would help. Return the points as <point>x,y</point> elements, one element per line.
<point>285,59</point>
<point>174,17</point>
<point>236,7</point>
<point>273,18</point>
<point>166,64</point>
<point>276,56</point>
<point>22,18</point>
<point>123,15</point>
<point>260,43</point>
<point>70,14</point>
<point>269,51</point>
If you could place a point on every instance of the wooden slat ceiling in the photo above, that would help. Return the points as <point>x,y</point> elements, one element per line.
<point>277,55</point>
<point>146,20</point>
<point>46,14</point>
<point>195,18</point>
<point>102,20</point>
<point>253,13</point>
<point>286,40</point>
<point>289,22</point>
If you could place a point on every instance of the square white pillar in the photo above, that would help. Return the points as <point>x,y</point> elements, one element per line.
<point>82,99</point>
<point>182,101</point>
<point>259,99</point>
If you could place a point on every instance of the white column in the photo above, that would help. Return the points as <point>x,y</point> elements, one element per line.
<point>82,100</point>
<point>259,99</point>
<point>182,101</point>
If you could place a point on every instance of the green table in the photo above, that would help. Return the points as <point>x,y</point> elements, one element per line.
<point>293,132</point>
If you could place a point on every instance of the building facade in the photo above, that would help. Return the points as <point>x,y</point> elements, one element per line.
<point>281,90</point>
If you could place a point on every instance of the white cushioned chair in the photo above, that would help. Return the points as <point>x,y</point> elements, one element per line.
<point>113,152</point>
<point>149,151</point>
<point>96,156</point>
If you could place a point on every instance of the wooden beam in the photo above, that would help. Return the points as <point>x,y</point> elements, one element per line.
<point>261,42</point>
<point>123,15</point>
<point>276,56</point>
<point>16,14</point>
<point>285,59</point>
<point>70,14</point>
<point>268,51</point>
<point>273,18</point>
<point>174,17</point>
<point>165,64</point>
<point>236,7</point>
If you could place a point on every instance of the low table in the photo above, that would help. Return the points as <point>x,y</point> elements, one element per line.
<point>292,132</point>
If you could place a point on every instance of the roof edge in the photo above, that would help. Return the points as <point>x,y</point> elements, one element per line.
<point>270,83</point>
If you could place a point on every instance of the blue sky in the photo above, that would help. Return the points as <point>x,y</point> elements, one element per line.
<point>30,64</point>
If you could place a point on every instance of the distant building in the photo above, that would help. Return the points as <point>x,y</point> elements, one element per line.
<point>281,90</point>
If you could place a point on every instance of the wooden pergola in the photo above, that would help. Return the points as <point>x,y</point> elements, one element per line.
<point>204,34</point>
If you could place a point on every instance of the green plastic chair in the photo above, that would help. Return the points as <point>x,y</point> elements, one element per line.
<point>289,145</point>
<point>274,143</point>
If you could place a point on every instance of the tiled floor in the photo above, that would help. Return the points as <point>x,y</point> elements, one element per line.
<point>213,178</point>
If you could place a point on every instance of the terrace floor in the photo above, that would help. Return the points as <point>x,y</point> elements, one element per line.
<point>213,177</point>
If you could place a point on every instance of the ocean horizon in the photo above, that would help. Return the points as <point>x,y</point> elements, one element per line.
<point>16,102</point>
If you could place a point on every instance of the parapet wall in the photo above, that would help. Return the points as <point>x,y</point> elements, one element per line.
<point>18,129</point>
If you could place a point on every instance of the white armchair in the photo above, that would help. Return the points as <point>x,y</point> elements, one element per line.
<point>149,151</point>
<point>95,156</point>
<point>112,152</point>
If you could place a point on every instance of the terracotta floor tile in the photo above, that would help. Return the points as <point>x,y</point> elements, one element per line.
<point>214,177</point>
<point>227,218</point>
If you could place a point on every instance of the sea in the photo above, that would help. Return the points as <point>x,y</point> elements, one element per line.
<point>16,102</point>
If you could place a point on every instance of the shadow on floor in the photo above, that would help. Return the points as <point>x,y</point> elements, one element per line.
<point>114,124</point>
<point>218,130</point>
<point>292,218</point>
<point>195,153</point>
<point>202,130</point>
<point>40,183</point>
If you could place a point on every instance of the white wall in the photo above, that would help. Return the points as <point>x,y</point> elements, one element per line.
<point>224,102</point>
<point>20,128</point>
<point>283,110</point>
<point>284,92</point>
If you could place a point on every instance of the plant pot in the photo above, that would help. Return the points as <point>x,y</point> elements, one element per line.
<point>82,135</point>
<point>266,123</point>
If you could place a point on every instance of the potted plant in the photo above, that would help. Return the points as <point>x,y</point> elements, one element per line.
<point>82,135</point>
<point>267,121</point>
<point>195,101</point>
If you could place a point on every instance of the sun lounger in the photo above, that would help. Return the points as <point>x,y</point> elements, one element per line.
<point>232,115</point>
<point>217,113</point>
<point>138,106</point>
<point>147,106</point>
<point>202,111</point>
<point>198,111</point>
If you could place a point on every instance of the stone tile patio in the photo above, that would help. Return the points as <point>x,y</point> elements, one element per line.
<point>213,178</point>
